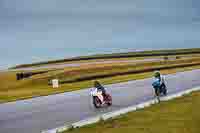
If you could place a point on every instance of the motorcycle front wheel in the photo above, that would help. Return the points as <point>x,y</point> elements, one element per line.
<point>96,102</point>
<point>109,100</point>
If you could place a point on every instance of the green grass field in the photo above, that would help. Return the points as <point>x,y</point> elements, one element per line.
<point>76,78</point>
<point>180,115</point>
<point>12,90</point>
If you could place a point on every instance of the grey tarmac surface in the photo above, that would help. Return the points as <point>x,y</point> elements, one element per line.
<point>37,114</point>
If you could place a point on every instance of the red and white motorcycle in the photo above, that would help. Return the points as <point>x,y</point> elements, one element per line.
<point>100,99</point>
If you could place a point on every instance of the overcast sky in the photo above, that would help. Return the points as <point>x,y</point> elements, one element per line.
<point>35,30</point>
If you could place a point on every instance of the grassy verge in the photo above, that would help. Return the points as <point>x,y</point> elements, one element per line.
<point>180,115</point>
<point>151,53</point>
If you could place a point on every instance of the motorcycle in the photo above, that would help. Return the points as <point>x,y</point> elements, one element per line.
<point>162,90</point>
<point>96,97</point>
<point>159,89</point>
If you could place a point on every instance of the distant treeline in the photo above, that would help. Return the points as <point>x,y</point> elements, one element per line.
<point>118,55</point>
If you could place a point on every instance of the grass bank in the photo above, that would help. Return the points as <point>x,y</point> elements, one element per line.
<point>117,55</point>
<point>180,115</point>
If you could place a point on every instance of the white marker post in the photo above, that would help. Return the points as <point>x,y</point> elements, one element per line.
<point>55,83</point>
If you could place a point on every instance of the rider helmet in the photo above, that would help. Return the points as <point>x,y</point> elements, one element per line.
<point>97,84</point>
<point>157,74</point>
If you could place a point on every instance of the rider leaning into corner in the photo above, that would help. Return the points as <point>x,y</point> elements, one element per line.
<point>101,90</point>
<point>159,82</point>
